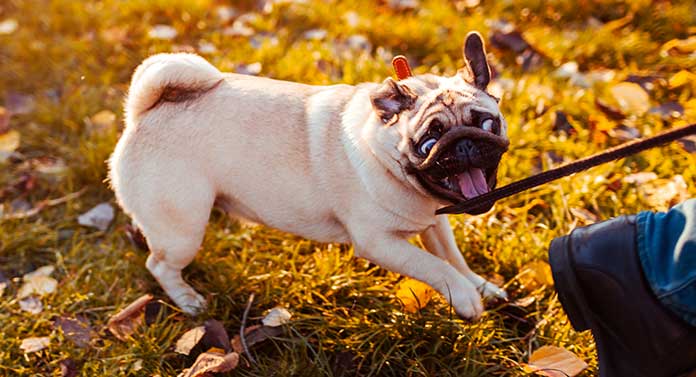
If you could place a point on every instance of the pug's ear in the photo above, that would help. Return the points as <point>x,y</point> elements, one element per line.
<point>392,98</point>
<point>476,71</point>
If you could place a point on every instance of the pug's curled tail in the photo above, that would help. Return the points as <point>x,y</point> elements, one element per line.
<point>169,78</point>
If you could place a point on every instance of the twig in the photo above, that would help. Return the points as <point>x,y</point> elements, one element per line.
<point>43,205</point>
<point>242,337</point>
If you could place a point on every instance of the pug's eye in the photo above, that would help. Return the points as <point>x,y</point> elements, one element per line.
<point>426,146</point>
<point>491,125</point>
<point>487,125</point>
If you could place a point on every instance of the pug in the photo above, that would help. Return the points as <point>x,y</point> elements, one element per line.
<point>367,164</point>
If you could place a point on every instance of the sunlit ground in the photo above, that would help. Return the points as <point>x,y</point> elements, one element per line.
<point>577,78</point>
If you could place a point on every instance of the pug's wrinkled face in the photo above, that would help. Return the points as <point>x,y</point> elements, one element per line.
<point>451,134</point>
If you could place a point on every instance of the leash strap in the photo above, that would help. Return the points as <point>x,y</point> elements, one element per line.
<point>482,203</point>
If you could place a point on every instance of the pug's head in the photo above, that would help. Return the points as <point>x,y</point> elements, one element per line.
<point>446,133</point>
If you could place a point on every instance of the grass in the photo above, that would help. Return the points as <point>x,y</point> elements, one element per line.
<point>75,59</point>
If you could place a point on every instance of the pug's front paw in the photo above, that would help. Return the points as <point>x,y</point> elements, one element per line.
<point>486,288</point>
<point>466,300</point>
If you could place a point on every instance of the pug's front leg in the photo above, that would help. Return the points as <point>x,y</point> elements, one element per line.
<point>439,240</point>
<point>400,256</point>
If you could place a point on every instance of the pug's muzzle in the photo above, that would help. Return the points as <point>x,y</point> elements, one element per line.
<point>463,164</point>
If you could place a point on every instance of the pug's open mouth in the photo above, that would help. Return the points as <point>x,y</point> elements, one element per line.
<point>462,164</point>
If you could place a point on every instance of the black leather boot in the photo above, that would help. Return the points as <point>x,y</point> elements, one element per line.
<point>600,283</point>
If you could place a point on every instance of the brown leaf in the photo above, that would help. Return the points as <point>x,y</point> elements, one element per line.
<point>586,216</point>
<point>68,368</point>
<point>124,323</point>
<point>215,336</point>
<point>211,362</point>
<point>77,330</point>
<point>254,335</point>
<point>189,340</point>
<point>688,143</point>
<point>554,362</point>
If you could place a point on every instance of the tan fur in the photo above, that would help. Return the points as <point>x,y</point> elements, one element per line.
<point>312,160</point>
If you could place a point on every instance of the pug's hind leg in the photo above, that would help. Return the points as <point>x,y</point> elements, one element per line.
<point>174,231</point>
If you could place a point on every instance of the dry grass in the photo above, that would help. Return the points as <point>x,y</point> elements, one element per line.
<point>75,58</point>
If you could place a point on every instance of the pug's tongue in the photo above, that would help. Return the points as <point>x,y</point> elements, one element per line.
<point>472,183</point>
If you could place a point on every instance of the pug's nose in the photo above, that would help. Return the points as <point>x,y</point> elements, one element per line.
<point>465,148</point>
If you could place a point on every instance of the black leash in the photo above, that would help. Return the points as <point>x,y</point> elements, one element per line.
<point>482,203</point>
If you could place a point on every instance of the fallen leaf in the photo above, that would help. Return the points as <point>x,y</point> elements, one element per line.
<point>276,317</point>
<point>688,143</point>
<point>254,335</point>
<point>68,368</point>
<point>8,26</point>
<point>31,305</point>
<point>661,194</point>
<point>623,133</point>
<point>640,178</point>
<point>18,103</point>
<point>632,99</point>
<point>9,142</point>
<point>535,274</point>
<point>46,270</point>
<point>3,286</point>
<point>77,330</point>
<point>189,340</point>
<point>215,336</point>
<point>211,362</point>
<point>34,344</point>
<point>554,361</point>
<point>154,311</point>
<point>137,365</point>
<point>38,282</point>
<point>162,32</point>
<point>414,294</point>
<point>124,323</point>
<point>668,110</point>
<point>315,34</point>
<point>98,217</point>
<point>561,123</point>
